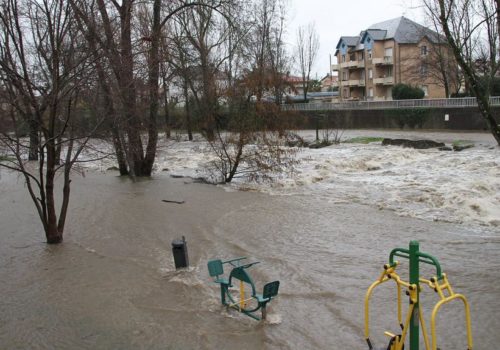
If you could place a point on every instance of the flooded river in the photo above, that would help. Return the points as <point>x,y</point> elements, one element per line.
<point>112,283</point>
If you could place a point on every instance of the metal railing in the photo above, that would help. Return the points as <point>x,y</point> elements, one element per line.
<point>465,102</point>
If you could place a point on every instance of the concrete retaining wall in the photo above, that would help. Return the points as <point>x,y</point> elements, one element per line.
<point>459,119</point>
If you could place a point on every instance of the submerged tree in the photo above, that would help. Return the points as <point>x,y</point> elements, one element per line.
<point>250,145</point>
<point>250,133</point>
<point>112,27</point>
<point>44,68</point>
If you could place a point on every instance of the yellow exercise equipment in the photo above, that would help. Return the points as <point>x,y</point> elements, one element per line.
<point>414,318</point>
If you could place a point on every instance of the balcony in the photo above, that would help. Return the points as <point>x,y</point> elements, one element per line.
<point>384,81</point>
<point>356,64</point>
<point>356,82</point>
<point>386,60</point>
<point>388,81</point>
<point>352,64</point>
<point>335,67</point>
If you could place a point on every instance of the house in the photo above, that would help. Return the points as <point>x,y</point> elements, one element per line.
<point>294,93</point>
<point>391,52</point>
<point>329,82</point>
<point>295,85</point>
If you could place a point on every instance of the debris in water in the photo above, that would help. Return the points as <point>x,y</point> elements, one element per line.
<point>175,202</point>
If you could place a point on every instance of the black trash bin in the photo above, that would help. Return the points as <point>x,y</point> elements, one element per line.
<point>179,249</point>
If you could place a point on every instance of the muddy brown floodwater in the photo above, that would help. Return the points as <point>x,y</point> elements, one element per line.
<point>112,283</point>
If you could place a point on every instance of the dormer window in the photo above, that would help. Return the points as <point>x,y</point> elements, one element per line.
<point>423,50</point>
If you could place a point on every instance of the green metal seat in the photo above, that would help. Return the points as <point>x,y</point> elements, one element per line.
<point>269,292</point>
<point>216,269</point>
<point>239,273</point>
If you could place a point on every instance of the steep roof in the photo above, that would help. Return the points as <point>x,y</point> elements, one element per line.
<point>402,30</point>
<point>377,34</point>
<point>349,40</point>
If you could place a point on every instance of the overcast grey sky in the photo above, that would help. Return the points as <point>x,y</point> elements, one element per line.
<point>334,18</point>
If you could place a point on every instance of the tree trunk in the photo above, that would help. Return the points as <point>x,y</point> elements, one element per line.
<point>168,130</point>
<point>485,109</point>
<point>52,232</point>
<point>188,112</point>
<point>119,151</point>
<point>209,99</point>
<point>34,138</point>
<point>126,81</point>
<point>498,17</point>
<point>446,84</point>
<point>481,94</point>
<point>237,159</point>
<point>57,158</point>
<point>153,77</point>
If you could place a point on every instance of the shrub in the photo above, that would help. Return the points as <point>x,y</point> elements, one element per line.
<point>407,92</point>
<point>412,118</point>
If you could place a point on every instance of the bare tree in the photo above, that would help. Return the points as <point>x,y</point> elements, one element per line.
<point>180,57</point>
<point>44,66</point>
<point>248,140</point>
<point>471,29</point>
<point>112,27</point>
<point>307,51</point>
<point>250,145</point>
<point>265,54</point>
<point>431,62</point>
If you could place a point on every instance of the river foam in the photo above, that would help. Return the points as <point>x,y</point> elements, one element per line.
<point>459,187</point>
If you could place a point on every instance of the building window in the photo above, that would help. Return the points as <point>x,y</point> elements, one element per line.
<point>369,54</point>
<point>426,90</point>
<point>346,93</point>
<point>344,76</point>
<point>352,57</point>
<point>389,72</point>
<point>370,92</point>
<point>388,52</point>
<point>423,69</point>
<point>343,58</point>
<point>423,50</point>
<point>361,56</point>
<point>370,73</point>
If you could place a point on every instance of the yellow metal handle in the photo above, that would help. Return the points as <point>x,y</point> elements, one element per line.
<point>467,319</point>
<point>242,295</point>
<point>386,275</point>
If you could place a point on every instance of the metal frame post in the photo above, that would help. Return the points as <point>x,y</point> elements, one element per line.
<point>414,279</point>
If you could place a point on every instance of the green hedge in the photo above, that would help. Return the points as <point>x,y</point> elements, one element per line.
<point>407,92</point>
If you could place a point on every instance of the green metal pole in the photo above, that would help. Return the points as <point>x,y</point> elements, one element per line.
<point>414,279</point>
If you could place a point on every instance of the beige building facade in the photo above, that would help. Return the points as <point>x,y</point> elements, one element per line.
<point>388,53</point>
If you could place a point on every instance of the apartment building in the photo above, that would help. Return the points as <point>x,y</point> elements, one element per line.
<point>391,52</point>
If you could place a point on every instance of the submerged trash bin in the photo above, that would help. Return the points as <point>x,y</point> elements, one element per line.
<point>179,249</point>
